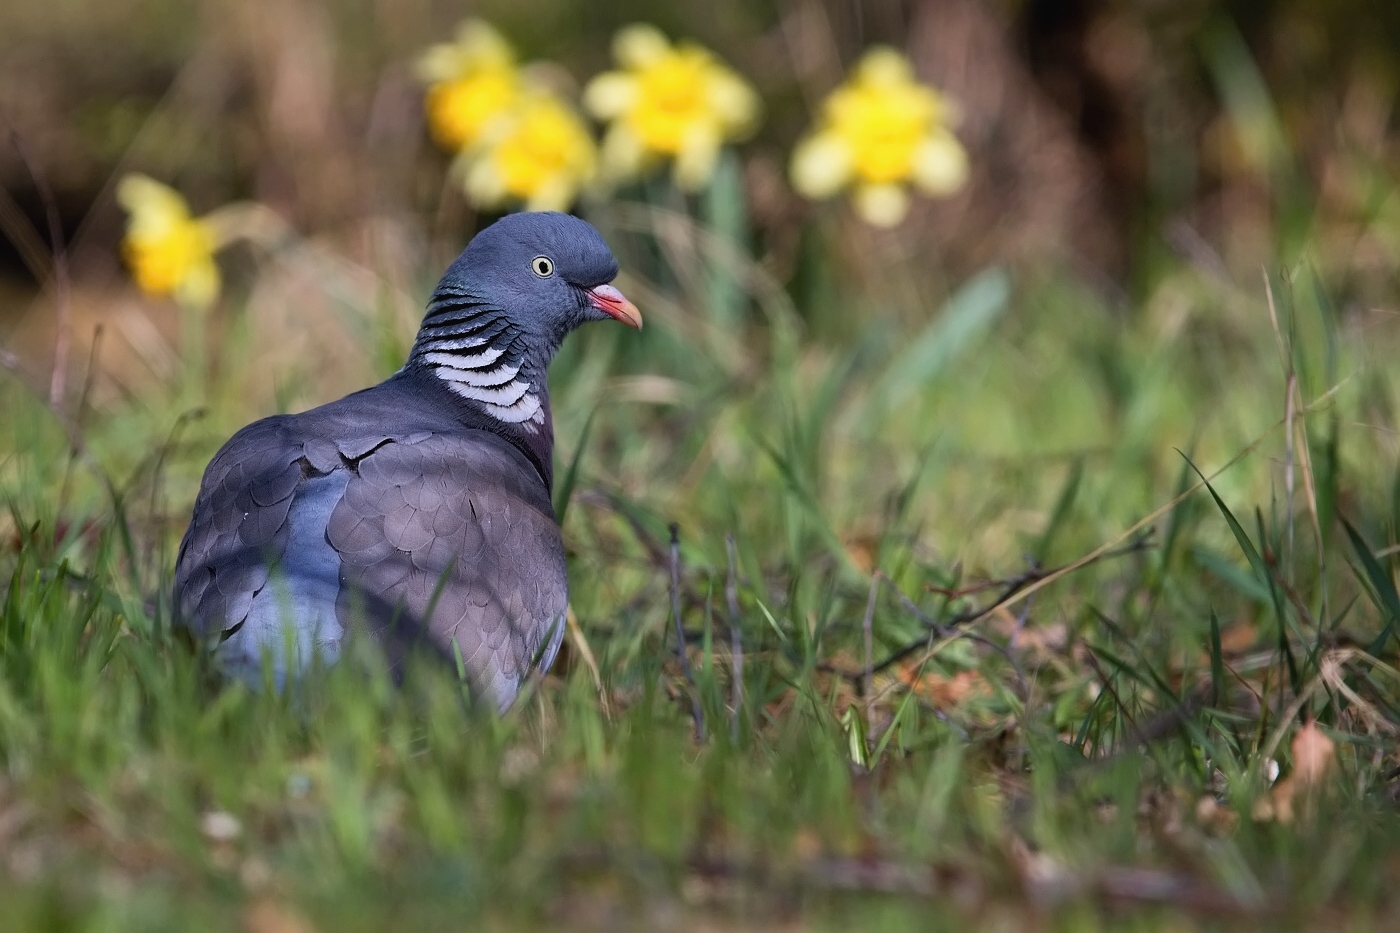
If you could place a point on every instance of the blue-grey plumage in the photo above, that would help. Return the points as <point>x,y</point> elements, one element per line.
<point>418,510</point>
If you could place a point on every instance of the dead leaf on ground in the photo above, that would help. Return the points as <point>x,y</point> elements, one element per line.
<point>944,691</point>
<point>265,916</point>
<point>1214,818</point>
<point>1313,756</point>
<point>1313,753</point>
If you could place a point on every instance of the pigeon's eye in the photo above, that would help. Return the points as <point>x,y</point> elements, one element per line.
<point>543,266</point>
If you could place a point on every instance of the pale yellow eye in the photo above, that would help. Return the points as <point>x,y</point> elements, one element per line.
<point>543,266</point>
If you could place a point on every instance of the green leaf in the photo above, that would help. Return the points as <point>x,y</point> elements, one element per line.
<point>853,724</point>
<point>1381,585</point>
<point>1217,662</point>
<point>1063,505</point>
<point>968,315</point>
<point>726,214</point>
<point>1261,570</point>
<point>565,491</point>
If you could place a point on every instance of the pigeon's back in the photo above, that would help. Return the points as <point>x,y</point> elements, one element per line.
<point>429,534</point>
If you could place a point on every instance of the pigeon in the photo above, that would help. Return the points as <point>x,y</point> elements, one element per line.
<point>418,512</point>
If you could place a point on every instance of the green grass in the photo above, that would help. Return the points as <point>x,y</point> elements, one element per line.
<point>1089,754</point>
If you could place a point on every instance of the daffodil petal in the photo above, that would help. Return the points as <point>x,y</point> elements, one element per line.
<point>940,165</point>
<point>821,166</point>
<point>883,65</point>
<point>639,45</point>
<point>881,205</point>
<point>478,47</point>
<point>155,209</point>
<point>733,101</point>
<point>200,286</point>
<point>554,194</point>
<point>439,63</point>
<point>623,152</point>
<point>483,182</point>
<point>480,40</point>
<point>610,94</point>
<point>696,160</point>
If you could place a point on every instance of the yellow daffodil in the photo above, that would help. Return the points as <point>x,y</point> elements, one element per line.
<point>473,84</point>
<point>879,131</point>
<point>542,156</point>
<point>169,252</point>
<point>677,102</point>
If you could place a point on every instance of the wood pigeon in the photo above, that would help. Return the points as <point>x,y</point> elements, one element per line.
<point>417,511</point>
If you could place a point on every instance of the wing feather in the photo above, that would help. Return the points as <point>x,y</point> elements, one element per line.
<point>469,521</point>
<point>239,522</point>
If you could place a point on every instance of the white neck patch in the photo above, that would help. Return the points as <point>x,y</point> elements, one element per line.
<point>499,390</point>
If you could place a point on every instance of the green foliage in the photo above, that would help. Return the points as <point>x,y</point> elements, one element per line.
<point>1034,598</point>
<point>1027,752</point>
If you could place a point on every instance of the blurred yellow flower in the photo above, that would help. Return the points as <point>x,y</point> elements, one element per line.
<point>169,252</point>
<point>473,84</point>
<point>542,155</point>
<point>670,101</point>
<point>878,131</point>
<point>515,139</point>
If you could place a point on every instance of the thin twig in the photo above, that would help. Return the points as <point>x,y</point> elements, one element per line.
<point>66,485</point>
<point>162,452</point>
<point>1008,588</point>
<point>1290,393</point>
<point>736,641</point>
<point>867,626</point>
<point>585,652</point>
<point>935,630</point>
<point>63,318</point>
<point>1298,446</point>
<point>26,240</point>
<point>695,709</point>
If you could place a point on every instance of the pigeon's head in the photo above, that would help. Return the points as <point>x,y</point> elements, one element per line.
<point>548,272</point>
<point>505,305</point>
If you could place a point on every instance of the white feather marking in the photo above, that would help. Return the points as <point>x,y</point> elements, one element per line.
<point>483,378</point>
<point>464,360</point>
<point>504,396</point>
<point>522,411</point>
<point>464,343</point>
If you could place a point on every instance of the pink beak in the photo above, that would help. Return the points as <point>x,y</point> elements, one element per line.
<point>615,305</point>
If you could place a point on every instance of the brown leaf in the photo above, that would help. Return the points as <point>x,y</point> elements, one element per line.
<point>806,844</point>
<point>1239,637</point>
<point>1211,816</point>
<point>943,691</point>
<point>1313,752</point>
<point>266,916</point>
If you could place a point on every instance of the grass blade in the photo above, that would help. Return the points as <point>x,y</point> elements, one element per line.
<point>1381,585</point>
<point>968,314</point>
<point>565,490</point>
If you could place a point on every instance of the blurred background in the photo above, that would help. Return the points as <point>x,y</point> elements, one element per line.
<point>1111,140</point>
